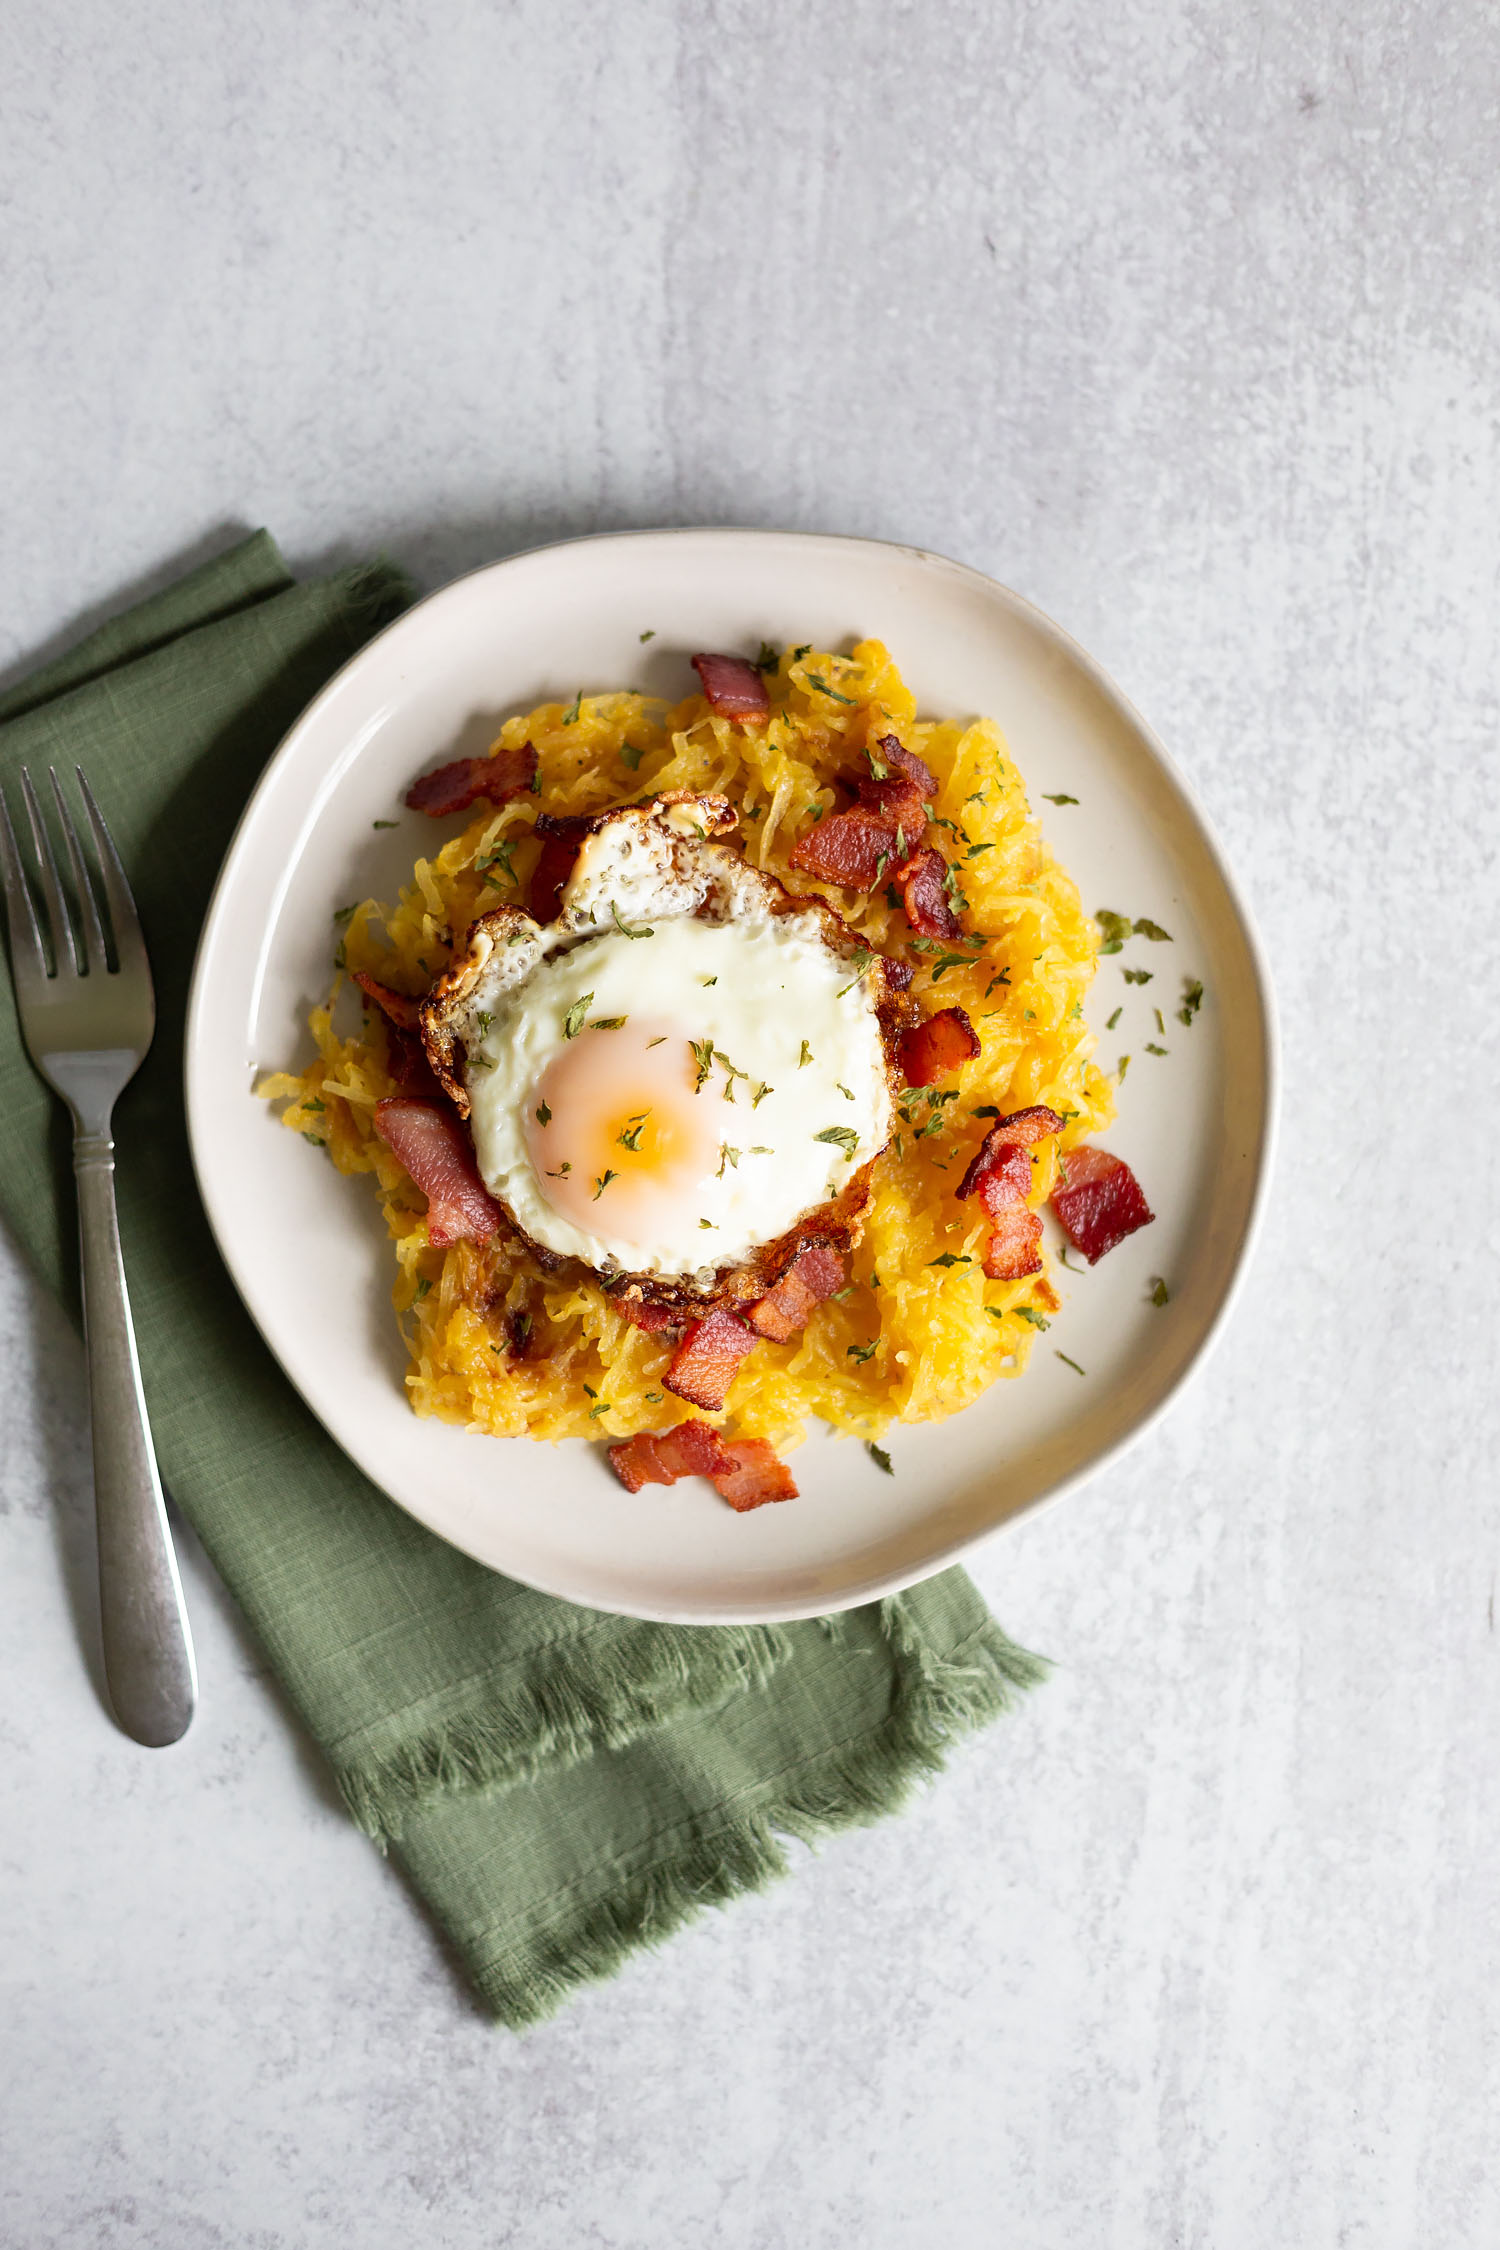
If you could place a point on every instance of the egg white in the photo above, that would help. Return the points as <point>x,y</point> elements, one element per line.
<point>764,989</point>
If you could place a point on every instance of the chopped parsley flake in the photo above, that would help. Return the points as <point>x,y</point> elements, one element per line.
<point>950,1258</point>
<point>1160,1022</point>
<point>805,1057</point>
<point>659,1041</point>
<point>341,914</point>
<point>861,1352</point>
<point>603,1182</point>
<point>880,1457</point>
<point>1146,928</point>
<point>649,634</point>
<point>768,660</point>
<point>1116,928</point>
<point>859,964</point>
<point>608,1023</point>
<point>844,1136</point>
<point>631,1137</point>
<point>570,716</point>
<point>641,929</point>
<point>1138,976</point>
<point>500,856</point>
<point>1160,1294</point>
<point>1192,999</point>
<point>878,767</point>
<point>1114,1019</point>
<point>385,824</point>
<point>758,1093</point>
<point>1153,1049</point>
<point>949,961</point>
<point>573,1020</point>
<point>727,1155</point>
<point>1120,1069</point>
<point>815,679</point>
<point>1029,1312</point>
<point>843,1089</point>
<point>632,754</point>
<point>1061,797</point>
<point>703,1061</point>
<point>561,1173</point>
<point>974,850</point>
<point>708,980</point>
<point>601,1408</point>
<point>316,1103</point>
<point>707,1223</point>
<point>1077,1370</point>
<point>423,1285</point>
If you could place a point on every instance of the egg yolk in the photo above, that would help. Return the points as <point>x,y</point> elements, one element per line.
<point>616,1133</point>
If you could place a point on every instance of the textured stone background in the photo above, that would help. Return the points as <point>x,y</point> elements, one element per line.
<point>1182,320</point>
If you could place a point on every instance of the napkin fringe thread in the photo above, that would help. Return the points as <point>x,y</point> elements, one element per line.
<point>610,1696</point>
<point>937,1700</point>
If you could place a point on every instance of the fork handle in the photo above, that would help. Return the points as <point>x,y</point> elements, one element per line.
<point>148,1649</point>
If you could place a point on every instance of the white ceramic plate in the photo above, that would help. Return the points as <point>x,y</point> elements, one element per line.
<point>309,1250</point>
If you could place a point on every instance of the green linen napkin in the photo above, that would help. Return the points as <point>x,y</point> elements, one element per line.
<point>560,1786</point>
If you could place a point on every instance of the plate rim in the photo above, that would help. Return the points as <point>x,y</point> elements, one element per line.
<point>1267,1126</point>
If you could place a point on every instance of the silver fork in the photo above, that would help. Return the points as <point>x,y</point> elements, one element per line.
<point>87,1020</point>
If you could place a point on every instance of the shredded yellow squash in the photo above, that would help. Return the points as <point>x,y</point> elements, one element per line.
<point>919,1332</point>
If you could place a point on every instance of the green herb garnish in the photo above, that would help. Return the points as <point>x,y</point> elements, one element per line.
<point>859,964</point>
<point>1060,798</point>
<point>769,659</point>
<point>703,1061</point>
<point>1192,1000</point>
<point>861,1352</point>
<point>1029,1312</point>
<point>423,1285</point>
<point>570,716</point>
<point>1138,976</point>
<point>844,1136</point>
<point>1116,928</point>
<point>1120,1069</point>
<point>341,914</point>
<point>880,1457</point>
<point>805,1057</point>
<point>385,824</point>
<point>603,1182</point>
<point>608,1023</point>
<point>1153,1049</point>
<point>1077,1370</point>
<point>1114,1019</point>
<point>573,1020</point>
<point>649,634</point>
<point>950,1258</point>
<point>641,929</point>
<point>1160,1294</point>
<point>815,679</point>
<point>1146,928</point>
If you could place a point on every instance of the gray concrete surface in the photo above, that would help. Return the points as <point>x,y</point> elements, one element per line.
<point>1181,319</point>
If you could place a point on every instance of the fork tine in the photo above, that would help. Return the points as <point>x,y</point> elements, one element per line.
<point>20,915</point>
<point>64,945</point>
<point>130,944</point>
<point>88,905</point>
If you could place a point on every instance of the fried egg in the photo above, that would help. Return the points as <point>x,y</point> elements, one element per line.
<point>678,1070</point>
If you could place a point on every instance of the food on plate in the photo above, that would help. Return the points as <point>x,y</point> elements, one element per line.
<point>720,1065</point>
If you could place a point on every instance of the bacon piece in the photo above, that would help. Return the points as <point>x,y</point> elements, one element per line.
<point>756,1477</point>
<point>816,1274</point>
<point>887,751</point>
<point>453,788</point>
<point>733,686</point>
<point>853,848</point>
<point>1019,1130</point>
<point>637,1461</point>
<point>692,1449</point>
<point>921,883</point>
<point>745,1471</point>
<point>704,1362</point>
<point>396,1007</point>
<point>936,1045</point>
<point>641,1312</point>
<point>406,1060</point>
<point>1100,1201</point>
<point>428,1139</point>
<point>900,805</point>
<point>1001,1177</point>
<point>561,835</point>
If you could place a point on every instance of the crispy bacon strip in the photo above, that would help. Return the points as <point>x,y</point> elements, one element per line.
<point>853,848</point>
<point>887,751</point>
<point>1100,1201</point>
<point>733,686</point>
<point>396,1007</point>
<point>406,1060</point>
<point>642,1312</point>
<point>756,1477</point>
<point>453,788</point>
<point>1001,1177</point>
<point>901,805</point>
<point>704,1363</point>
<point>744,1470</point>
<point>550,875</point>
<point>936,1046</point>
<point>921,884</point>
<point>428,1139</point>
<point>816,1274</point>
<point>1019,1130</point>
